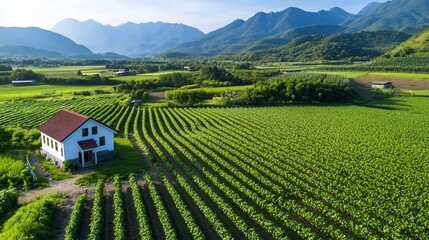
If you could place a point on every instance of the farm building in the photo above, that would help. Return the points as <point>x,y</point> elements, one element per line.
<point>121,73</point>
<point>136,102</point>
<point>69,136</point>
<point>380,84</point>
<point>23,82</point>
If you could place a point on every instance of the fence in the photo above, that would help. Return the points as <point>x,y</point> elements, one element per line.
<point>30,168</point>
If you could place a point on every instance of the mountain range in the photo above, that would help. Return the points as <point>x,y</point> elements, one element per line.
<point>391,15</point>
<point>341,46</point>
<point>39,42</point>
<point>74,38</point>
<point>240,36</point>
<point>131,39</point>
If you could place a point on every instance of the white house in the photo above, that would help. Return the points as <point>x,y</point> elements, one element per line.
<point>70,136</point>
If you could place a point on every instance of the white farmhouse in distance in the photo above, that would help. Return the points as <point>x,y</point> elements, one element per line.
<point>70,136</point>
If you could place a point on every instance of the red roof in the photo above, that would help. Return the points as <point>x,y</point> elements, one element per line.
<point>62,124</point>
<point>87,144</point>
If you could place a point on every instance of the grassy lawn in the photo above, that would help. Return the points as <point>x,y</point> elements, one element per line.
<point>70,71</point>
<point>11,92</point>
<point>137,78</point>
<point>127,160</point>
<point>412,76</point>
<point>66,68</point>
<point>55,173</point>
<point>223,89</point>
<point>146,76</point>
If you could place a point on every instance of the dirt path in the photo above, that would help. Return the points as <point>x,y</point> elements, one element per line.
<point>35,162</point>
<point>84,231</point>
<point>155,96</point>
<point>405,84</point>
<point>108,211</point>
<point>66,186</point>
<point>130,212</point>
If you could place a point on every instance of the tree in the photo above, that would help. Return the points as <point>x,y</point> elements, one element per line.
<point>140,95</point>
<point>23,74</point>
<point>215,73</point>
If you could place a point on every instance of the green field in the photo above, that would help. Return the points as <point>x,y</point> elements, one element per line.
<point>217,89</point>
<point>352,74</point>
<point>70,71</point>
<point>146,76</point>
<point>127,160</point>
<point>65,68</point>
<point>297,172</point>
<point>12,92</point>
<point>137,78</point>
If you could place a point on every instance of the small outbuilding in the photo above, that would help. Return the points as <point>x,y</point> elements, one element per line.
<point>23,82</point>
<point>381,84</point>
<point>70,136</point>
<point>136,102</point>
<point>121,73</point>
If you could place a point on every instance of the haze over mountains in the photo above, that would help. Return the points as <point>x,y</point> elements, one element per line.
<point>131,39</point>
<point>35,41</point>
<point>262,31</point>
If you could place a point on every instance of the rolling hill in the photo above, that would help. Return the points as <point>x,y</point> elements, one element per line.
<point>130,39</point>
<point>286,37</point>
<point>14,39</point>
<point>357,46</point>
<point>240,35</point>
<point>418,45</point>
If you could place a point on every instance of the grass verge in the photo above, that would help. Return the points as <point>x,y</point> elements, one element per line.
<point>56,173</point>
<point>127,160</point>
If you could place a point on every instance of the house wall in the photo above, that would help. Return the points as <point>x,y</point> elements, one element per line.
<point>50,149</point>
<point>72,149</point>
<point>378,86</point>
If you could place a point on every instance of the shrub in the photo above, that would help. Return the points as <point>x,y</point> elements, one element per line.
<point>70,165</point>
<point>33,221</point>
<point>8,201</point>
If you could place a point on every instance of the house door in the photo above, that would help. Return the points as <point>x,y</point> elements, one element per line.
<point>88,156</point>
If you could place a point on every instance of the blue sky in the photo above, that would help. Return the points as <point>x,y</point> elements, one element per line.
<point>207,15</point>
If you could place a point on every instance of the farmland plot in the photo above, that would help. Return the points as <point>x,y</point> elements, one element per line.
<point>294,172</point>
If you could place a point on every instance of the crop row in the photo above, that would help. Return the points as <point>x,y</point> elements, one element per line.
<point>97,215</point>
<point>75,221</point>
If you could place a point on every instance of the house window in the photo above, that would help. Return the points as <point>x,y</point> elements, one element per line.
<point>56,146</point>
<point>62,152</point>
<point>84,132</point>
<point>52,144</point>
<point>102,141</point>
<point>44,139</point>
<point>94,130</point>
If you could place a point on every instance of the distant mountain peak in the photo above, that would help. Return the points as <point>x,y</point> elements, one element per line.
<point>239,35</point>
<point>370,8</point>
<point>41,40</point>
<point>130,39</point>
<point>391,15</point>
